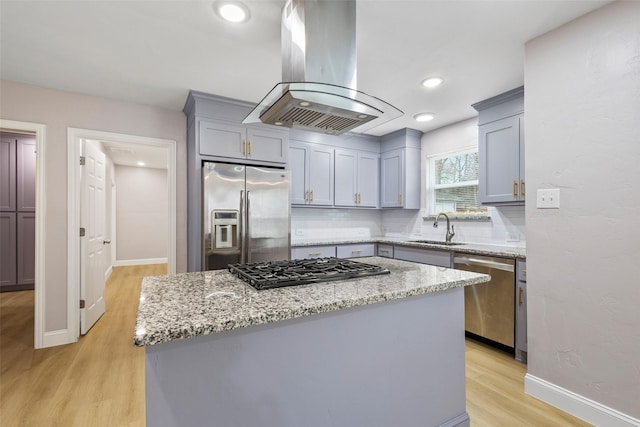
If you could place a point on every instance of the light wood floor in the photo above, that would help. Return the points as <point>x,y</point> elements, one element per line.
<point>99,381</point>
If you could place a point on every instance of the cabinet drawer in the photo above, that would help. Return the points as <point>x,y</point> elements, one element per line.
<point>354,251</point>
<point>385,250</point>
<point>313,252</point>
<point>423,256</point>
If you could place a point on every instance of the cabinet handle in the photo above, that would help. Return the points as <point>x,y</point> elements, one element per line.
<point>250,147</point>
<point>399,198</point>
<point>383,251</point>
<point>515,188</point>
<point>306,196</point>
<point>314,253</point>
<point>359,201</point>
<point>244,147</point>
<point>522,188</point>
<point>356,251</point>
<point>355,198</point>
<point>520,291</point>
<point>311,196</point>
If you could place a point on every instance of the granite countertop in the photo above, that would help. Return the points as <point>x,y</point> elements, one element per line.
<point>192,304</point>
<point>469,248</point>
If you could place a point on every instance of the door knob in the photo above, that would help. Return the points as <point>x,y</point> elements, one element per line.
<point>106,242</point>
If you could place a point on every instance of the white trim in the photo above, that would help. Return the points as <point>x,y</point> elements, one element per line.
<point>577,405</point>
<point>126,262</point>
<point>108,272</point>
<point>74,135</point>
<point>39,337</point>
<point>54,338</point>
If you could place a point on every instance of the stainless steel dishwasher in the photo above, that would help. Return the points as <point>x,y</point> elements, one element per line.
<point>489,307</point>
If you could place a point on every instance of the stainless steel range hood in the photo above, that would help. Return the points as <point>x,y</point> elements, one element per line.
<point>318,89</point>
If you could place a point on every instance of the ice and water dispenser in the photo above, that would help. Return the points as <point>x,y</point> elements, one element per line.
<point>225,229</point>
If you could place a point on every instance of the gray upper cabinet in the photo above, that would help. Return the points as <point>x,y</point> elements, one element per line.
<point>26,175</point>
<point>400,169</point>
<point>312,174</point>
<point>356,178</point>
<point>220,139</point>
<point>501,149</point>
<point>7,174</point>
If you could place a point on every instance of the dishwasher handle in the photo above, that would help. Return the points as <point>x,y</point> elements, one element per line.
<point>484,263</point>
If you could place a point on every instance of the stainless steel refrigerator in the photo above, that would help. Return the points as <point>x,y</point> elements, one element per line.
<point>246,215</point>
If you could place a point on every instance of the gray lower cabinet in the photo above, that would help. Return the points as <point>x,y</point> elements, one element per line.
<point>501,149</point>
<point>221,139</point>
<point>306,252</point>
<point>385,250</point>
<point>423,256</point>
<point>355,250</point>
<point>356,178</point>
<point>521,310</point>
<point>8,253</point>
<point>312,174</point>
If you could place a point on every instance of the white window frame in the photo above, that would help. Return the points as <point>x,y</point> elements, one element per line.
<point>432,186</point>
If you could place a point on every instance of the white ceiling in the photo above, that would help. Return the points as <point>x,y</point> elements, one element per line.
<point>153,52</point>
<point>126,154</point>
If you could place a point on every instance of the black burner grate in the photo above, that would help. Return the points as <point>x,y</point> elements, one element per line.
<point>275,274</point>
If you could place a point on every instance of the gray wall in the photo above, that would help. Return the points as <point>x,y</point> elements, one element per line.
<point>142,218</point>
<point>582,104</point>
<point>59,110</point>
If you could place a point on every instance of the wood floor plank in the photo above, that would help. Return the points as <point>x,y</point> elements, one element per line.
<point>99,381</point>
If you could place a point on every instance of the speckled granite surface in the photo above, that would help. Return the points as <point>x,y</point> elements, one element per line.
<point>469,248</point>
<point>192,304</point>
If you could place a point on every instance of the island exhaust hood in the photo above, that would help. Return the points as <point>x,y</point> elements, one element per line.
<point>318,89</point>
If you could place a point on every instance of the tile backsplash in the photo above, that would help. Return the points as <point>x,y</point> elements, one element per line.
<point>506,226</point>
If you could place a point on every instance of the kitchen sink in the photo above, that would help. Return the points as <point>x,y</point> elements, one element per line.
<point>438,242</point>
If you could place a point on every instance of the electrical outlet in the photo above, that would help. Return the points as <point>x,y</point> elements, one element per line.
<point>299,232</point>
<point>548,198</point>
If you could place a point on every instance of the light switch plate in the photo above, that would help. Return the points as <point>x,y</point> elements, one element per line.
<point>548,198</point>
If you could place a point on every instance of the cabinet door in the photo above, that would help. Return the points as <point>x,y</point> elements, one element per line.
<point>267,145</point>
<point>313,252</point>
<point>355,251</point>
<point>222,140</point>
<point>298,165</point>
<point>321,169</point>
<point>368,183</point>
<point>423,256</point>
<point>346,163</point>
<point>499,157</point>
<point>26,175</point>
<point>521,311</point>
<point>7,173</point>
<point>7,249</point>
<point>391,175</point>
<point>26,248</point>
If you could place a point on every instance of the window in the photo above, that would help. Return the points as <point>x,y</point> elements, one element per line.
<point>453,186</point>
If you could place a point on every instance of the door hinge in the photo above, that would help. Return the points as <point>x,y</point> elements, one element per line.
<point>82,231</point>
<point>81,303</point>
<point>82,160</point>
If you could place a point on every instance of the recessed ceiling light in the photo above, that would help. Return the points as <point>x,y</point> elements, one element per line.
<point>232,11</point>
<point>278,123</point>
<point>424,117</point>
<point>304,103</point>
<point>362,116</point>
<point>140,163</point>
<point>432,82</point>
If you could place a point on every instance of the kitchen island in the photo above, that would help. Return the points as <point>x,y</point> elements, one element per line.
<point>375,351</point>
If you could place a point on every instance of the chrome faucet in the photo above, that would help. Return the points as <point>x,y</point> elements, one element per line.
<point>450,231</point>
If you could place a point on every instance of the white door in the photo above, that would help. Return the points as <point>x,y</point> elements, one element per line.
<point>92,245</point>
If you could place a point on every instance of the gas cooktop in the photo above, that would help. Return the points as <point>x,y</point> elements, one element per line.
<point>275,274</point>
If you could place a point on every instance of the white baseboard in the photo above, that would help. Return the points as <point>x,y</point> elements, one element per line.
<point>125,262</point>
<point>108,272</point>
<point>59,337</point>
<point>577,405</point>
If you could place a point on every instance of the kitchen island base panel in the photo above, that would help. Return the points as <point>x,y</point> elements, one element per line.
<point>398,362</point>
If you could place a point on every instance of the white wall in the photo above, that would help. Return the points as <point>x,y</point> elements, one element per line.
<point>142,218</point>
<point>582,106</point>
<point>59,110</point>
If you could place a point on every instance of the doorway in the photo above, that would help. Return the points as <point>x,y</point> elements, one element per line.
<point>39,131</point>
<point>74,139</point>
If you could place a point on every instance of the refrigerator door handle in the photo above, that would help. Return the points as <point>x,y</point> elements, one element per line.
<point>241,227</point>
<point>248,230</point>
